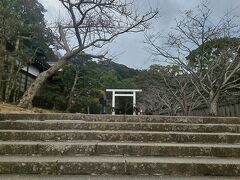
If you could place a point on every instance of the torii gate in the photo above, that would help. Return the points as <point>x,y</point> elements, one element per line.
<point>126,93</point>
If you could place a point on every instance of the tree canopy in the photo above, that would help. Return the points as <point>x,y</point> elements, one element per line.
<point>23,33</point>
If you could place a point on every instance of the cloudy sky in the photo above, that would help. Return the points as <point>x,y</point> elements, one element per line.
<point>129,49</point>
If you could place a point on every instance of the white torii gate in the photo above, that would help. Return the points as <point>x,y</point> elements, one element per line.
<point>126,93</point>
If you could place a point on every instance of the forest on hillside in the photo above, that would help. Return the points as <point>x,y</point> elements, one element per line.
<point>203,60</point>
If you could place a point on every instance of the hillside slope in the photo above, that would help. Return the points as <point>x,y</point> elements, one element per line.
<point>10,108</point>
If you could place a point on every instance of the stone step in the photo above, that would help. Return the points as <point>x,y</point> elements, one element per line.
<point>119,165</point>
<point>111,177</point>
<point>142,136</point>
<point>118,148</point>
<point>81,125</point>
<point>122,118</point>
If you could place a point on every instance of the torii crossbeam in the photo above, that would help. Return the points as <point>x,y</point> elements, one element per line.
<point>125,93</point>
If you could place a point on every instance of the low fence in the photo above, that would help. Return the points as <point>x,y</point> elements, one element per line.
<point>232,110</point>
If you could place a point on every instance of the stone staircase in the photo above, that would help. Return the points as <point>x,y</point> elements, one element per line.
<point>76,144</point>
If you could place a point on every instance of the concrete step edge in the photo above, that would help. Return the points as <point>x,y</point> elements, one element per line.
<point>120,165</point>
<point>119,132</point>
<point>120,149</point>
<point>114,123</point>
<point>85,117</point>
<point>121,159</point>
<point>164,121</point>
<point>120,123</point>
<point>111,177</point>
<point>102,143</point>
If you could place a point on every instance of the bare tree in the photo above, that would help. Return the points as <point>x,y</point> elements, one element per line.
<point>150,103</point>
<point>208,52</point>
<point>176,91</point>
<point>182,93</point>
<point>93,24</point>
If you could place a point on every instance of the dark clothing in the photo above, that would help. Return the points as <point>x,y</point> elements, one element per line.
<point>103,103</point>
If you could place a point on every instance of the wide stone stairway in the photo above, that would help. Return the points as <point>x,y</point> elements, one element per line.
<point>75,144</point>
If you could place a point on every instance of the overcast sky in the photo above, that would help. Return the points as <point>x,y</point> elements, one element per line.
<point>129,49</point>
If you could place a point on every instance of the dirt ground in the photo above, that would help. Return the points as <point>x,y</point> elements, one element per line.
<point>9,108</point>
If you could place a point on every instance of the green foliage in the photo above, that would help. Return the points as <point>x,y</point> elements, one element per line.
<point>172,70</point>
<point>208,52</point>
<point>217,63</point>
<point>24,20</point>
<point>23,34</point>
<point>93,78</point>
<point>121,71</point>
<point>51,96</point>
<point>11,22</point>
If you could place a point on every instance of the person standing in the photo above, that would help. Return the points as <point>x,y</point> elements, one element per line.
<point>103,103</point>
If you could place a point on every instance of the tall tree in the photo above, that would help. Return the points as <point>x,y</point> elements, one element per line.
<point>206,50</point>
<point>22,32</point>
<point>78,80</point>
<point>219,74</point>
<point>8,36</point>
<point>92,24</point>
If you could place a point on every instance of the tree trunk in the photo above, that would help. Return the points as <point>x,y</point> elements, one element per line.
<point>5,74</point>
<point>10,80</point>
<point>173,110</point>
<point>26,101</point>
<point>1,78</point>
<point>13,88</point>
<point>213,108</point>
<point>2,62</point>
<point>184,103</point>
<point>15,85</point>
<point>72,91</point>
<point>15,95</point>
<point>88,110</point>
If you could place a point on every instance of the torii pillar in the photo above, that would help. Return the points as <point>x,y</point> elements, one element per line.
<point>126,93</point>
